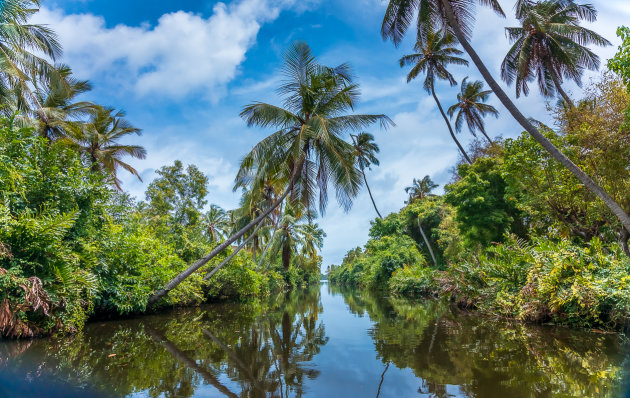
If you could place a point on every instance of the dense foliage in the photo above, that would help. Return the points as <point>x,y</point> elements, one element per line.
<point>515,234</point>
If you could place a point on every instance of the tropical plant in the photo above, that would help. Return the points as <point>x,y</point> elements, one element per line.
<point>457,16</point>
<point>99,139</point>
<point>307,150</point>
<point>470,107</point>
<point>21,45</point>
<point>216,221</point>
<point>550,45</point>
<point>365,150</point>
<point>420,189</point>
<point>435,51</point>
<point>58,113</point>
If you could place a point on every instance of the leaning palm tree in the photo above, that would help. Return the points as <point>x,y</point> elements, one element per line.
<point>550,45</point>
<point>365,150</point>
<point>99,140</point>
<point>421,189</point>
<point>23,47</point>
<point>58,111</point>
<point>307,148</point>
<point>470,107</point>
<point>435,51</point>
<point>457,16</point>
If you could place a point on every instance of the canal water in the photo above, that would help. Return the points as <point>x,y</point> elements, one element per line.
<point>321,342</point>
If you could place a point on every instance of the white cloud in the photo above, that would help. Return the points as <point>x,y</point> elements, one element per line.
<point>183,53</point>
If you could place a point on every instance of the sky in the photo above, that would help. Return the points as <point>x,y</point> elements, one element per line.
<point>183,70</point>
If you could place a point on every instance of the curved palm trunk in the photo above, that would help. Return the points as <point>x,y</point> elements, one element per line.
<point>370,192</point>
<point>561,91</point>
<point>483,131</point>
<point>201,262</point>
<point>448,124</point>
<point>426,241</point>
<point>525,123</point>
<point>231,256</point>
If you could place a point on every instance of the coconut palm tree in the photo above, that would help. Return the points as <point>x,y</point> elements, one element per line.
<point>434,52</point>
<point>22,48</point>
<point>470,107</point>
<point>421,189</point>
<point>365,150</point>
<point>550,45</point>
<point>307,149</point>
<point>58,111</point>
<point>457,16</point>
<point>216,220</point>
<point>99,139</point>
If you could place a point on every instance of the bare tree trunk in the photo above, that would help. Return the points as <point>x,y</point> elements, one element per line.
<point>526,124</point>
<point>201,262</point>
<point>623,237</point>
<point>370,192</point>
<point>561,91</point>
<point>231,256</point>
<point>448,124</point>
<point>483,131</point>
<point>427,242</point>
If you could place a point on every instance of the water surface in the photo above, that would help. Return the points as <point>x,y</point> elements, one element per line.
<point>322,342</point>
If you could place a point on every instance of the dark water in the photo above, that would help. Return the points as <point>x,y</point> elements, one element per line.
<point>323,342</point>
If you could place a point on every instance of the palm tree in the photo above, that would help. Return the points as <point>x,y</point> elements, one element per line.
<point>365,150</point>
<point>58,111</point>
<point>471,108</point>
<point>435,51</point>
<point>550,45</point>
<point>307,149</point>
<point>421,189</point>
<point>20,44</point>
<point>99,139</point>
<point>457,16</point>
<point>216,221</point>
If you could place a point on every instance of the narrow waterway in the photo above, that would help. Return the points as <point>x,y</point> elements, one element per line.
<point>323,342</point>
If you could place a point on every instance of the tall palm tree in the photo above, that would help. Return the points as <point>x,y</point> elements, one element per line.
<point>550,45</point>
<point>365,150</point>
<point>99,139</point>
<point>457,16</point>
<point>435,51</point>
<point>421,189</point>
<point>307,149</point>
<point>216,220</point>
<point>58,112</point>
<point>471,108</point>
<point>23,47</point>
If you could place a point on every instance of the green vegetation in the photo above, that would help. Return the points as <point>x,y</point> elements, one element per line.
<point>514,234</point>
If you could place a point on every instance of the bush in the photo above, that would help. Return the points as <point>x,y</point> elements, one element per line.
<point>412,281</point>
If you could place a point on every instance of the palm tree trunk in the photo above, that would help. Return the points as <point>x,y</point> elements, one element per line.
<point>201,262</point>
<point>561,91</point>
<point>483,131</point>
<point>525,123</point>
<point>448,124</point>
<point>370,192</point>
<point>424,236</point>
<point>231,256</point>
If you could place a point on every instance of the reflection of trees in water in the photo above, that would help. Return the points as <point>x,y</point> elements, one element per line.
<point>488,358</point>
<point>263,349</point>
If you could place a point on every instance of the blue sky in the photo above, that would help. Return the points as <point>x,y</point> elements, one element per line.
<point>182,70</point>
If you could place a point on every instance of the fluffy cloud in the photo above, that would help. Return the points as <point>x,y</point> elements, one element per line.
<point>183,53</point>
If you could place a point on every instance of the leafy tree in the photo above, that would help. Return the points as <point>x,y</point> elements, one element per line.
<point>458,17</point>
<point>550,45</point>
<point>307,150</point>
<point>216,221</point>
<point>365,150</point>
<point>471,108</point>
<point>420,189</point>
<point>482,210</point>
<point>435,52</point>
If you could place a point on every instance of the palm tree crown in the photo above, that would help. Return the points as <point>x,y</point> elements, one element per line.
<point>99,140</point>
<point>430,16</point>
<point>420,189</point>
<point>365,150</point>
<point>470,107</point>
<point>308,146</point>
<point>550,45</point>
